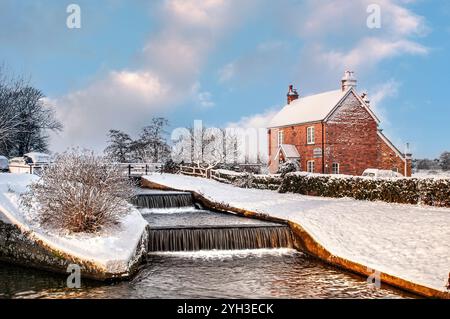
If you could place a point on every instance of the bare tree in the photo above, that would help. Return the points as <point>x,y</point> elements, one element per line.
<point>24,117</point>
<point>120,146</point>
<point>152,145</point>
<point>444,161</point>
<point>80,192</point>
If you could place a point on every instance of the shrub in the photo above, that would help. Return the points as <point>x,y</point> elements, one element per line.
<point>80,192</point>
<point>170,167</point>
<point>288,167</point>
<point>434,192</point>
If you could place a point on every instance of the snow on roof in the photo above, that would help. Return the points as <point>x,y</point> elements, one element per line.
<point>308,109</point>
<point>289,151</point>
<point>392,146</point>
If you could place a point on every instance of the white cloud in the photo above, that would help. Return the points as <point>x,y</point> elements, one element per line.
<point>369,52</point>
<point>380,93</point>
<point>260,120</point>
<point>256,124</point>
<point>168,67</point>
<point>227,72</point>
<point>121,100</point>
<point>383,91</point>
<point>335,36</point>
<point>258,63</point>
<point>203,13</point>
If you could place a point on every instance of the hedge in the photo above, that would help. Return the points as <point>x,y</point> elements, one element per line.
<point>434,192</point>
<point>248,180</point>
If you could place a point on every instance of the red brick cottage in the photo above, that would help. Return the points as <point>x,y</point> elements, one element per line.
<point>334,132</point>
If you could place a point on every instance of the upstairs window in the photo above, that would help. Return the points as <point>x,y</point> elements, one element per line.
<point>335,168</point>
<point>310,166</point>
<point>280,138</point>
<point>310,135</point>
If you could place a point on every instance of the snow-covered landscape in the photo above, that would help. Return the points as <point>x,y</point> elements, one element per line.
<point>212,149</point>
<point>409,242</point>
<point>112,250</point>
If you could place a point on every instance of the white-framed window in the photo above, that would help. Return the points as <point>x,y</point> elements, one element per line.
<point>335,168</point>
<point>280,138</point>
<point>310,166</point>
<point>310,135</point>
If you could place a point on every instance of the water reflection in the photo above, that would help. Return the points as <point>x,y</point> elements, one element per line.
<point>263,273</point>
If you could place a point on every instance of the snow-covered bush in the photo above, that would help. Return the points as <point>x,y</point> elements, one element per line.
<point>80,192</point>
<point>243,180</point>
<point>288,167</point>
<point>435,192</point>
<point>169,166</point>
<point>247,180</point>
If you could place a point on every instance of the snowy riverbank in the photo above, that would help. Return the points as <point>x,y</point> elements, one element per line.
<point>112,253</point>
<point>405,241</point>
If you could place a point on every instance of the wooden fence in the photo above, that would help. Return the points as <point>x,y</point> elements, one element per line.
<point>195,171</point>
<point>27,168</point>
<point>139,169</point>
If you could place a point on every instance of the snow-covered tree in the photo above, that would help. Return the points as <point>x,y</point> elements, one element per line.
<point>152,145</point>
<point>24,118</point>
<point>119,147</point>
<point>80,192</point>
<point>444,161</point>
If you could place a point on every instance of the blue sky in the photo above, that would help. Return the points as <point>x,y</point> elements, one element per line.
<point>229,62</point>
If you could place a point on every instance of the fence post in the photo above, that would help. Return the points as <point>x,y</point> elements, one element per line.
<point>31,169</point>
<point>129,170</point>
<point>146,169</point>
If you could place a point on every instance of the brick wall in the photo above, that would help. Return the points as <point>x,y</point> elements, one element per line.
<point>389,159</point>
<point>351,139</point>
<point>296,135</point>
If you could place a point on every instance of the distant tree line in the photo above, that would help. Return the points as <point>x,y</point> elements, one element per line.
<point>25,120</point>
<point>150,147</point>
<point>441,163</point>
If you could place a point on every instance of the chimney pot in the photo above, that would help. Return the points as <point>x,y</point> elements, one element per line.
<point>348,81</point>
<point>292,94</point>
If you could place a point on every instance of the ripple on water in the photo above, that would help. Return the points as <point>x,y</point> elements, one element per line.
<point>262,273</point>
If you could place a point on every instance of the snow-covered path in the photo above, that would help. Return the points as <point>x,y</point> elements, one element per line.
<point>409,242</point>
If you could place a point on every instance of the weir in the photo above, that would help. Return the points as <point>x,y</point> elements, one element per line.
<point>220,238</point>
<point>162,200</point>
<point>176,225</point>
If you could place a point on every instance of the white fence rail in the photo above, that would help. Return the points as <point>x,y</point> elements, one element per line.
<point>27,168</point>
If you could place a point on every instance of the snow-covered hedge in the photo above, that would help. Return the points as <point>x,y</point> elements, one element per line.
<point>435,192</point>
<point>247,180</point>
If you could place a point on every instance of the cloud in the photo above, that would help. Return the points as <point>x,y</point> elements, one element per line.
<point>202,98</point>
<point>256,64</point>
<point>227,72</point>
<point>335,37</point>
<point>383,91</point>
<point>369,52</point>
<point>260,120</point>
<point>168,67</point>
<point>380,93</point>
<point>121,100</point>
<point>256,125</point>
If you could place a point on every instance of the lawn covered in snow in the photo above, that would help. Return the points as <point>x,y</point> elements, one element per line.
<point>406,241</point>
<point>111,249</point>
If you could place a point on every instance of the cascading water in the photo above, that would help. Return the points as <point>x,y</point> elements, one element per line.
<point>223,238</point>
<point>158,200</point>
<point>175,225</point>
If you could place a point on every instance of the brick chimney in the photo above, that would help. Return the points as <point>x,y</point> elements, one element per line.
<point>348,81</point>
<point>292,94</point>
